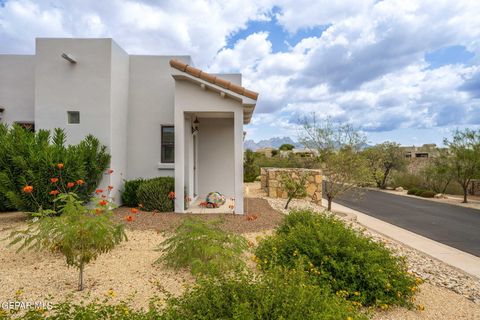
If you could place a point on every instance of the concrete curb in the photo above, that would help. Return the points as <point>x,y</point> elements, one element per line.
<point>464,262</point>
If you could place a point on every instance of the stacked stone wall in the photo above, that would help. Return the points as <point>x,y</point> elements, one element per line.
<point>271,182</point>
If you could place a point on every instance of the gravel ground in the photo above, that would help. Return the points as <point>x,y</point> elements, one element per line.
<point>259,216</point>
<point>128,272</point>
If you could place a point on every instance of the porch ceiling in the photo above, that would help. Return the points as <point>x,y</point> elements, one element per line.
<point>247,97</point>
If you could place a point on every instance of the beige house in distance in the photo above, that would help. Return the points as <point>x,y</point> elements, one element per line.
<point>158,115</point>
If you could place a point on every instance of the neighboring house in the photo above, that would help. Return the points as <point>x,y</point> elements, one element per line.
<point>158,115</point>
<point>419,157</point>
<point>304,153</point>
<point>267,152</point>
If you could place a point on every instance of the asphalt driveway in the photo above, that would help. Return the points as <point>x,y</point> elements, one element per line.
<point>458,227</point>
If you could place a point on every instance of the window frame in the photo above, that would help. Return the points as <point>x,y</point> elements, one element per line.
<point>69,112</point>
<point>169,144</point>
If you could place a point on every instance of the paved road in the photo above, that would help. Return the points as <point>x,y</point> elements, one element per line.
<point>452,225</point>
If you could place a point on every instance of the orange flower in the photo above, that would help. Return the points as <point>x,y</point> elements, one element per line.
<point>98,211</point>
<point>110,188</point>
<point>98,191</point>
<point>133,210</point>
<point>28,189</point>
<point>171,195</point>
<point>129,218</point>
<point>54,192</point>
<point>60,166</point>
<point>80,182</point>
<point>70,184</point>
<point>109,171</point>
<point>103,203</point>
<point>53,180</point>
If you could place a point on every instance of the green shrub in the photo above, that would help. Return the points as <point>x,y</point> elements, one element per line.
<point>413,191</point>
<point>349,262</point>
<point>31,158</point>
<point>153,194</point>
<point>427,194</point>
<point>278,294</point>
<point>204,248</point>
<point>250,170</point>
<point>129,193</point>
<point>407,180</point>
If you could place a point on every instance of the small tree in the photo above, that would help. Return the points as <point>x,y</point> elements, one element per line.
<point>465,151</point>
<point>80,234</point>
<point>286,147</point>
<point>250,170</point>
<point>382,159</point>
<point>295,188</point>
<point>339,147</point>
<point>438,174</point>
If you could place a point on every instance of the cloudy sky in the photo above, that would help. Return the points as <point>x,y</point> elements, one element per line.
<point>407,71</point>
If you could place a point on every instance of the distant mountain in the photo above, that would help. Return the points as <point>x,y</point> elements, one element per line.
<point>270,143</point>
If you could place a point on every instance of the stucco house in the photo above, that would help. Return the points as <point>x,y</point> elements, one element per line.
<point>158,115</point>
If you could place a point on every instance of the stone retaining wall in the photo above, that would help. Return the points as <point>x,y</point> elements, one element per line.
<point>271,182</point>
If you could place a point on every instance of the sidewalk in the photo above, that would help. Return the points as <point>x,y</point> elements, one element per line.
<point>454,257</point>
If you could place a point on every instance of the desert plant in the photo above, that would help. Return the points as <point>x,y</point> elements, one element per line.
<point>80,234</point>
<point>382,160</point>
<point>250,170</point>
<point>286,147</point>
<point>295,187</point>
<point>427,194</point>
<point>129,193</point>
<point>204,248</point>
<point>277,294</point>
<point>35,158</point>
<point>464,148</point>
<point>153,194</point>
<point>339,147</point>
<point>352,264</point>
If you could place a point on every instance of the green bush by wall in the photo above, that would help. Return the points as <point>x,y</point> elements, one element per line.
<point>153,194</point>
<point>129,193</point>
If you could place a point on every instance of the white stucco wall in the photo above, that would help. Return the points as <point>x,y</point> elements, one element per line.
<point>215,156</point>
<point>61,86</point>
<point>17,87</point>
<point>151,101</point>
<point>119,85</point>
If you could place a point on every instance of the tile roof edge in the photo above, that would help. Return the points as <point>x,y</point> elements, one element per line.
<point>174,63</point>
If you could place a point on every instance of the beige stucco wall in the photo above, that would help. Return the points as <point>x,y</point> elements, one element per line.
<point>271,182</point>
<point>17,87</point>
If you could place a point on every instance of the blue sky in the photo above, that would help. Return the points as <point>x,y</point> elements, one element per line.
<point>401,70</point>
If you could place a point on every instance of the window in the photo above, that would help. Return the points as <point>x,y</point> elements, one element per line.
<point>29,126</point>
<point>73,117</point>
<point>168,144</point>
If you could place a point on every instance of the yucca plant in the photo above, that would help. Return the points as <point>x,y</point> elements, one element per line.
<point>80,234</point>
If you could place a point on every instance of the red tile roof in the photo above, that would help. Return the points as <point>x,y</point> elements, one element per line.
<point>213,79</point>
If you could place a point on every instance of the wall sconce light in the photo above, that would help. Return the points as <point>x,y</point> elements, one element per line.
<point>195,126</point>
<point>1,113</point>
<point>69,58</point>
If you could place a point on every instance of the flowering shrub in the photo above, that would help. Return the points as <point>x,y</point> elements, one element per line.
<point>81,234</point>
<point>353,265</point>
<point>42,161</point>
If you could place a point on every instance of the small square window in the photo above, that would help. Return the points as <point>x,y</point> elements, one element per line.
<point>73,117</point>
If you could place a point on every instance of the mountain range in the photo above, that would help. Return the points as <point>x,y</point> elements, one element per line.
<point>275,142</point>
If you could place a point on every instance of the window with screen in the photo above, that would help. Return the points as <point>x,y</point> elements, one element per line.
<point>168,144</point>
